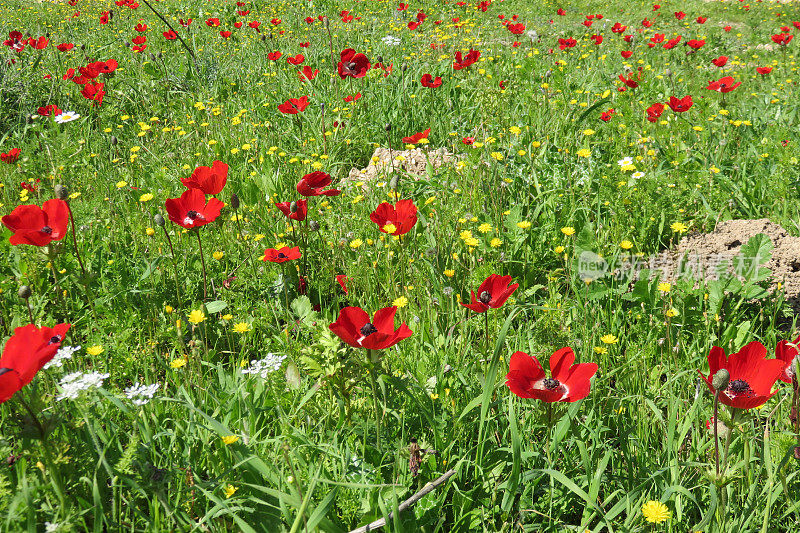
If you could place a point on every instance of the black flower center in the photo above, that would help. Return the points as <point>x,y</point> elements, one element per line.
<point>368,329</point>
<point>551,383</point>
<point>485,297</point>
<point>739,386</point>
<point>192,214</point>
<point>281,255</point>
<point>4,370</point>
<point>47,229</point>
<point>55,339</point>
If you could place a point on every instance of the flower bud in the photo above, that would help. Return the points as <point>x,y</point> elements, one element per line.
<point>668,73</point>
<point>313,225</point>
<point>24,292</point>
<point>721,379</point>
<point>159,220</point>
<point>62,193</point>
<point>394,182</point>
<point>293,207</point>
<point>234,201</point>
<point>388,127</point>
<point>114,140</point>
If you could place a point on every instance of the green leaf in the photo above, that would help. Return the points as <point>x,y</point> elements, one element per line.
<point>216,306</point>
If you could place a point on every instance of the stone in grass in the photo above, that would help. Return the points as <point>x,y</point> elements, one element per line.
<point>411,163</point>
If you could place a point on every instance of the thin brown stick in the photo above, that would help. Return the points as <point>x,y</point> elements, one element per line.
<point>430,487</point>
<point>186,46</point>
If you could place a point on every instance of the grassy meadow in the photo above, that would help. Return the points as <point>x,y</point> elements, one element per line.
<point>177,185</point>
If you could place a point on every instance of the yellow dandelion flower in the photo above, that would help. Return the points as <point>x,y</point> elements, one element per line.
<point>568,230</point>
<point>678,227</point>
<point>178,363</point>
<point>609,339</point>
<point>242,327</point>
<point>146,197</point>
<point>400,302</point>
<point>449,273</point>
<point>95,350</point>
<point>655,512</point>
<point>230,490</point>
<point>355,243</point>
<point>626,245</point>
<point>524,224</point>
<point>665,287</point>
<point>197,316</point>
<point>230,439</point>
<point>218,255</point>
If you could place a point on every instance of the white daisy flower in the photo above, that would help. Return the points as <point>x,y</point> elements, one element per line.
<point>67,116</point>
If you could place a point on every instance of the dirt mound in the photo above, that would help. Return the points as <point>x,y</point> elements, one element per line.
<point>704,251</point>
<point>414,163</point>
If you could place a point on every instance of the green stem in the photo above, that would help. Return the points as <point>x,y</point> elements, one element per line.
<point>203,262</point>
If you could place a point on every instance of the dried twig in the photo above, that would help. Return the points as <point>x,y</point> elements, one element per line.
<point>430,487</point>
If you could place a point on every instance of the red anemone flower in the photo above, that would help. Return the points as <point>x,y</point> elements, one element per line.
<point>352,65</point>
<point>493,292</point>
<point>293,106</point>
<point>300,209</point>
<point>695,44</point>
<point>342,280</point>
<point>431,82</point>
<point>629,81</point>
<point>281,255</point>
<point>763,70</point>
<point>312,185</point>
<point>568,382</point>
<point>752,375</point>
<point>296,60</point>
<point>354,327</point>
<point>787,352</point>
<point>395,220</point>
<point>679,105</point>
<point>307,74</point>
<point>782,39</point>
<point>38,226</point>
<point>655,111</point>
<point>723,85</point>
<point>25,353</point>
<point>94,92</point>
<point>48,110</point>
<point>11,156</point>
<point>414,139</point>
<point>672,43</point>
<point>191,210</point>
<point>720,62</point>
<point>210,180</point>
<point>463,62</point>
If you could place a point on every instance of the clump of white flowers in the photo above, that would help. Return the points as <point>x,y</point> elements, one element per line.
<point>63,353</point>
<point>73,384</point>
<point>265,366</point>
<point>391,40</point>
<point>140,394</point>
